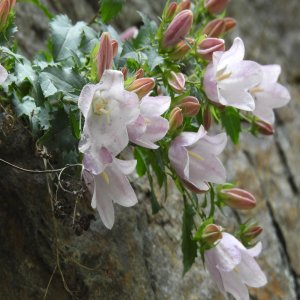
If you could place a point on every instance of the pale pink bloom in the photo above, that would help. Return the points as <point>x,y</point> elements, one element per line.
<point>232,267</point>
<point>228,78</point>
<point>108,108</point>
<point>111,186</point>
<point>193,155</point>
<point>129,33</point>
<point>3,74</point>
<point>269,94</point>
<point>150,127</point>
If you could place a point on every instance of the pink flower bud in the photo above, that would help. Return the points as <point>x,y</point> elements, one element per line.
<point>129,33</point>
<point>171,10</point>
<point>181,49</point>
<point>124,71</point>
<point>139,74</point>
<point>252,232</point>
<point>207,118</point>
<point>215,6</point>
<point>176,81</point>
<point>264,127</point>
<point>190,106</point>
<point>178,28</point>
<point>184,4</point>
<point>114,45</point>
<point>218,27</point>
<point>208,46</point>
<point>176,119</point>
<point>105,54</point>
<point>5,8</point>
<point>212,233</point>
<point>142,86</point>
<point>238,198</point>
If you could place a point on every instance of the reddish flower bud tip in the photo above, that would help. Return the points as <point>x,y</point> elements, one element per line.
<point>176,119</point>
<point>129,33</point>
<point>142,86</point>
<point>181,49</point>
<point>229,23</point>
<point>238,198</point>
<point>207,118</point>
<point>190,106</point>
<point>139,73</point>
<point>264,127</point>
<point>212,233</point>
<point>214,28</point>
<point>178,28</point>
<point>5,8</point>
<point>184,4</point>
<point>252,232</point>
<point>171,10</point>
<point>124,71</point>
<point>215,6</point>
<point>208,46</point>
<point>114,45</point>
<point>176,82</point>
<point>105,54</point>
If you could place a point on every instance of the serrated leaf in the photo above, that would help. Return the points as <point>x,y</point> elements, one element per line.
<point>154,59</point>
<point>110,9</point>
<point>65,37</point>
<point>55,79</point>
<point>189,246</point>
<point>232,123</point>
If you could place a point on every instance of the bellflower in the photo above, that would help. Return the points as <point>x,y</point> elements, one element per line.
<point>269,94</point>
<point>228,78</point>
<point>110,186</point>
<point>150,127</point>
<point>232,267</point>
<point>108,108</point>
<point>193,155</point>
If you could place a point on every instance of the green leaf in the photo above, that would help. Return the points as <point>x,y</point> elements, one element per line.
<point>110,9</point>
<point>42,7</point>
<point>75,123</point>
<point>65,37</point>
<point>154,203</point>
<point>55,79</point>
<point>154,59</point>
<point>232,123</point>
<point>157,164</point>
<point>141,166</point>
<point>189,246</point>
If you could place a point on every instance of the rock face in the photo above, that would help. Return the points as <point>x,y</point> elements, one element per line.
<point>141,257</point>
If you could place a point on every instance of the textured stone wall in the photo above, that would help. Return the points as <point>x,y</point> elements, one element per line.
<point>141,257</point>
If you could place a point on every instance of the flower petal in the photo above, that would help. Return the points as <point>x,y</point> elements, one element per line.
<point>125,166</point>
<point>154,106</point>
<point>234,285</point>
<point>189,138</point>
<point>112,80</point>
<point>103,202</point>
<point>179,159</point>
<point>210,84</point>
<point>3,74</point>
<point>86,98</point>
<point>250,272</point>
<point>255,251</point>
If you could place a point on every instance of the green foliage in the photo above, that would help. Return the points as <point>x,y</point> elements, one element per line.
<point>110,9</point>
<point>232,123</point>
<point>189,245</point>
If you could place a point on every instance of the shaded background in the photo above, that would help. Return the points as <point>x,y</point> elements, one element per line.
<point>141,257</point>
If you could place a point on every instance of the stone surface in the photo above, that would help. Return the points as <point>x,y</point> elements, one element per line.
<point>141,257</point>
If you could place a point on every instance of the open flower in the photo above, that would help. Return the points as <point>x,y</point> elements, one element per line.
<point>269,94</point>
<point>150,127</point>
<point>193,155</point>
<point>108,108</point>
<point>232,267</point>
<point>111,186</point>
<point>228,78</point>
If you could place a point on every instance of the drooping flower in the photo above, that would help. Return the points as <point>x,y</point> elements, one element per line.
<point>110,186</point>
<point>108,108</point>
<point>150,127</point>
<point>232,267</point>
<point>129,33</point>
<point>3,74</point>
<point>193,155</point>
<point>228,78</point>
<point>269,94</point>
